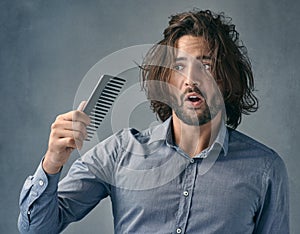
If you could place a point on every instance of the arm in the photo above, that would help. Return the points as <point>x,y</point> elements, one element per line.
<point>273,216</point>
<point>46,207</point>
<point>67,133</point>
<point>38,203</point>
<point>40,207</point>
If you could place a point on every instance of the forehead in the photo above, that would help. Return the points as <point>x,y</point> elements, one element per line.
<point>192,46</point>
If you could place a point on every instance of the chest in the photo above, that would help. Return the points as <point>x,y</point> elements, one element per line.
<point>224,195</point>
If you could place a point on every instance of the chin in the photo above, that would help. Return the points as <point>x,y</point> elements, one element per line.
<point>194,119</point>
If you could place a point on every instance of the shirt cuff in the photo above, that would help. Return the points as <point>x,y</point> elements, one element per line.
<point>43,182</point>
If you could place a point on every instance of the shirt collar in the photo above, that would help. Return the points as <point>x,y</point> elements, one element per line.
<point>164,132</point>
<point>161,132</point>
<point>222,138</point>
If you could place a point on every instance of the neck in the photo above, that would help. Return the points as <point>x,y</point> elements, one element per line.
<point>194,139</point>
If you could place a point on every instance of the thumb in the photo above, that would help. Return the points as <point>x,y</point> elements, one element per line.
<point>81,106</point>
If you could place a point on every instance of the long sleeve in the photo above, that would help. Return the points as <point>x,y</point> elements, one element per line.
<point>273,216</point>
<point>38,203</point>
<point>46,207</point>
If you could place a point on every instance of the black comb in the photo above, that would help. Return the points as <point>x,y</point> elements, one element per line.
<point>101,101</point>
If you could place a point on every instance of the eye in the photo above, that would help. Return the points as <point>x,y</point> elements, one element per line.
<point>178,67</point>
<point>207,66</point>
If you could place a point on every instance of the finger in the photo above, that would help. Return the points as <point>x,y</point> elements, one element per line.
<point>72,116</point>
<point>75,115</point>
<point>71,126</point>
<point>63,133</point>
<point>62,144</point>
<point>79,127</point>
<point>79,116</point>
<point>82,106</point>
<point>68,125</point>
<point>70,142</point>
<point>67,142</point>
<point>64,128</point>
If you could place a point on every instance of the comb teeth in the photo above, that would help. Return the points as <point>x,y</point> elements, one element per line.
<point>103,103</point>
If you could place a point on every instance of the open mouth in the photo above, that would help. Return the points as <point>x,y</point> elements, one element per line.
<point>194,99</point>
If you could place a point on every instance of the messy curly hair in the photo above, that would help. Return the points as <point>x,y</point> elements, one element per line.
<point>231,67</point>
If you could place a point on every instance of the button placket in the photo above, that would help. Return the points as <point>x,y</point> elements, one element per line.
<point>185,200</point>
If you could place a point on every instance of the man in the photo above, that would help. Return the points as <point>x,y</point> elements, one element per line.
<point>191,174</point>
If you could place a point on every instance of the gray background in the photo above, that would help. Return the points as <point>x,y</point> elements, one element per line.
<point>48,46</point>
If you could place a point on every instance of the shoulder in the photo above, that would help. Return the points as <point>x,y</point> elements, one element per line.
<point>243,146</point>
<point>242,141</point>
<point>123,138</point>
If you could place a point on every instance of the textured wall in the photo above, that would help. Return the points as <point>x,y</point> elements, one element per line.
<point>48,46</point>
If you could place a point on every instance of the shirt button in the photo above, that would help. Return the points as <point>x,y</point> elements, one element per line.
<point>41,183</point>
<point>185,193</point>
<point>178,230</point>
<point>192,161</point>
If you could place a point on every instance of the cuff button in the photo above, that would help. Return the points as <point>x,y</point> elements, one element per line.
<point>41,183</point>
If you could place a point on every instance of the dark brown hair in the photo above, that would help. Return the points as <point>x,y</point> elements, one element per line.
<point>231,66</point>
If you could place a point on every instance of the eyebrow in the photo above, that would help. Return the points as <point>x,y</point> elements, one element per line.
<point>204,57</point>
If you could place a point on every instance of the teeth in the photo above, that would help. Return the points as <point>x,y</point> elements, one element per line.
<point>193,98</point>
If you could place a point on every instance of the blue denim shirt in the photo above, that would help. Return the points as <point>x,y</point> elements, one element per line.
<point>235,186</point>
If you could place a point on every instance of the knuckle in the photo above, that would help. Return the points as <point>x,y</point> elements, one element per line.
<point>53,133</point>
<point>79,136</point>
<point>53,125</point>
<point>56,132</point>
<point>59,117</point>
<point>76,114</point>
<point>70,141</point>
<point>81,126</point>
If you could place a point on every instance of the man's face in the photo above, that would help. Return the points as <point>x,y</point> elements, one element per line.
<point>196,96</point>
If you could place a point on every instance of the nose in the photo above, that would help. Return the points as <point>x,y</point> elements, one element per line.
<point>192,77</point>
<point>189,82</point>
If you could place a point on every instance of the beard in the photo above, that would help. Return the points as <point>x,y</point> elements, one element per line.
<point>197,116</point>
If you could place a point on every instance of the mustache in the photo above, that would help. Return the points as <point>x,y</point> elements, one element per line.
<point>193,89</point>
